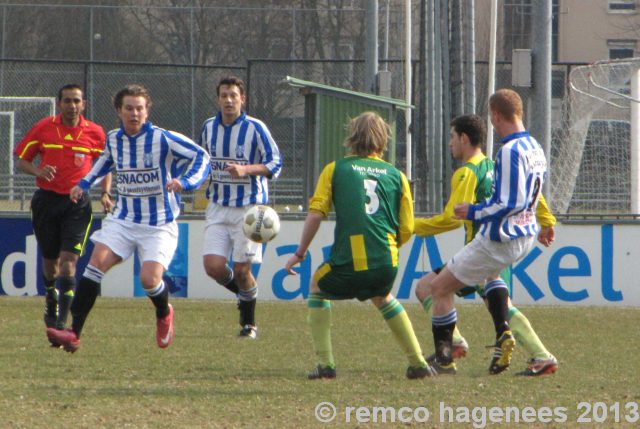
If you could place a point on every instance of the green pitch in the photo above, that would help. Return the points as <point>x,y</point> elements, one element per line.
<point>208,378</point>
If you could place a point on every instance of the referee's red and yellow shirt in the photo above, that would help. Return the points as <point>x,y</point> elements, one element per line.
<point>71,150</point>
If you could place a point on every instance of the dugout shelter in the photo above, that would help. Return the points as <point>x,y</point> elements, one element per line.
<point>328,110</point>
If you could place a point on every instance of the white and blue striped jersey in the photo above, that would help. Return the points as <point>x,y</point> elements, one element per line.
<point>519,173</point>
<point>144,164</point>
<point>246,141</point>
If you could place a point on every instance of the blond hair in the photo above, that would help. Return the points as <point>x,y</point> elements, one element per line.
<point>507,103</point>
<point>368,134</point>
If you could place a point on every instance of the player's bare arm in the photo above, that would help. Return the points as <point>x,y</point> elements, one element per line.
<point>461,210</point>
<point>174,186</point>
<point>76,193</point>
<point>311,225</point>
<point>239,170</point>
<point>46,172</point>
<point>546,236</point>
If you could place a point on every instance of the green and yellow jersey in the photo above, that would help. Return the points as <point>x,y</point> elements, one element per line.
<point>471,183</point>
<point>374,211</point>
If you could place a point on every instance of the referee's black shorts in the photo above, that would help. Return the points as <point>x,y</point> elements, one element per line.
<point>59,223</point>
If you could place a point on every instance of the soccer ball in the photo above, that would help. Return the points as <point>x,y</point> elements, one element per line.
<point>261,224</point>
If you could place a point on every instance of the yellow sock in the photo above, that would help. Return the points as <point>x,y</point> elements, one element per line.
<point>319,319</point>
<point>398,320</point>
<point>457,336</point>
<point>525,335</point>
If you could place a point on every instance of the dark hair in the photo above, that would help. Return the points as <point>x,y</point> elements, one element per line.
<point>134,90</point>
<point>231,80</point>
<point>473,126</point>
<point>69,86</point>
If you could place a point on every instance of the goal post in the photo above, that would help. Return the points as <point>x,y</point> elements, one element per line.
<point>635,142</point>
<point>20,113</point>
<point>8,138</point>
<point>594,153</point>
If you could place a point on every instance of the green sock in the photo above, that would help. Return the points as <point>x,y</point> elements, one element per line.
<point>426,306</point>
<point>525,335</point>
<point>319,319</point>
<point>398,320</point>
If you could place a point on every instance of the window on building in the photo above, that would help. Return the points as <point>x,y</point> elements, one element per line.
<point>518,27</point>
<point>622,6</point>
<point>619,49</point>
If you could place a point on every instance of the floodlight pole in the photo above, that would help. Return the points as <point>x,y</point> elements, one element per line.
<point>407,86</point>
<point>371,48</point>
<point>541,120</point>
<point>492,71</point>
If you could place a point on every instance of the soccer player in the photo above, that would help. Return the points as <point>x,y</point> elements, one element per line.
<point>66,146</point>
<point>472,183</point>
<point>152,166</point>
<point>244,157</point>
<point>507,233</point>
<point>374,217</point>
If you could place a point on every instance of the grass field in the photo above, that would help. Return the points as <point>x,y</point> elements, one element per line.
<point>210,379</point>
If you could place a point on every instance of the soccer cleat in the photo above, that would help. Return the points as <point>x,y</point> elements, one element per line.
<point>459,349</point>
<point>248,331</point>
<point>65,338</point>
<point>322,372</point>
<point>52,342</point>
<point>51,309</point>
<point>538,367</point>
<point>164,329</point>
<point>502,352</point>
<point>416,372</point>
<point>441,368</point>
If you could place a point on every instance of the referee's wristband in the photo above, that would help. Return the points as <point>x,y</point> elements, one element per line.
<point>107,194</point>
<point>299,256</point>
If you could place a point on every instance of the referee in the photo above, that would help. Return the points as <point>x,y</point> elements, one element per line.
<point>65,145</point>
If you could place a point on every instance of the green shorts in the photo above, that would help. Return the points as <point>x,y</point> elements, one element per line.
<point>344,283</point>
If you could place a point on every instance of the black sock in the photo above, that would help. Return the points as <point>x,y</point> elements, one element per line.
<point>247,312</point>
<point>51,299</point>
<point>497,302</point>
<point>48,284</point>
<point>230,282</point>
<point>232,287</point>
<point>85,297</point>
<point>161,302</point>
<point>67,286</point>
<point>443,339</point>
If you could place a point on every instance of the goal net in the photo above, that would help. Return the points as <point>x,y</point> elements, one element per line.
<point>591,151</point>
<point>17,116</point>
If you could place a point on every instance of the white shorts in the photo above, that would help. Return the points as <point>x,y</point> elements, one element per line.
<point>223,235</point>
<point>483,258</point>
<point>154,243</point>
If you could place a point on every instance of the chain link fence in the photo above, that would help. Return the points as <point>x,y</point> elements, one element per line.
<point>184,96</point>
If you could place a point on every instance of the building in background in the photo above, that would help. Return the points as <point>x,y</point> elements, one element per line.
<point>584,31</point>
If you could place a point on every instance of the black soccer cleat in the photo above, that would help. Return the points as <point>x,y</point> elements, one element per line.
<point>322,372</point>
<point>502,352</point>
<point>442,368</point>
<point>417,372</point>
